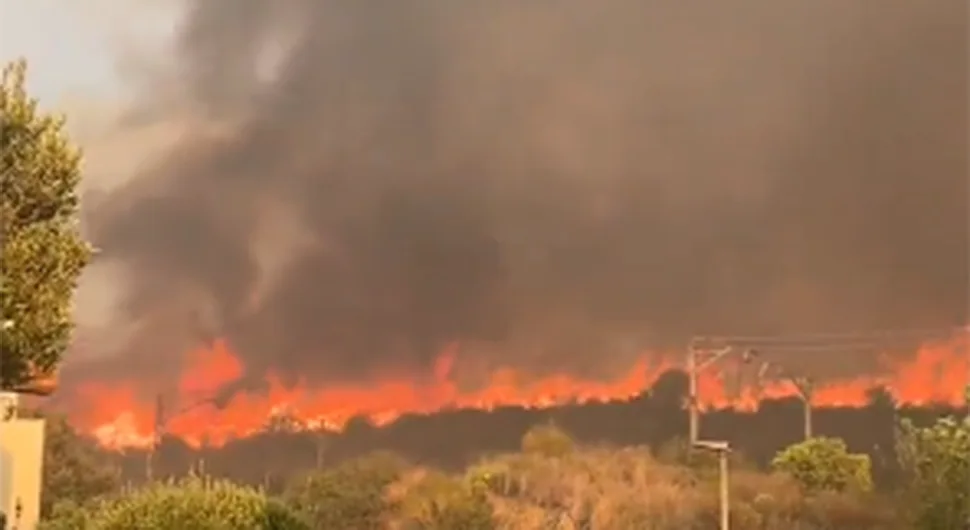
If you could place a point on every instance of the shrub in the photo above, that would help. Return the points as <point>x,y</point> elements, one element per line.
<point>351,495</point>
<point>547,440</point>
<point>500,476</point>
<point>935,461</point>
<point>194,503</point>
<point>594,488</point>
<point>66,515</point>
<point>825,464</point>
<point>679,452</point>
<point>775,500</point>
<point>440,502</point>
<point>837,511</point>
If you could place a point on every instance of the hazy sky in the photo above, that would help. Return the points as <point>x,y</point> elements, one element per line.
<point>74,50</point>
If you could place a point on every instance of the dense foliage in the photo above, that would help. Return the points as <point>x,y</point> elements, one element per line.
<point>193,503</point>
<point>43,251</point>
<point>936,462</point>
<point>825,464</point>
<point>350,495</point>
<point>815,485</point>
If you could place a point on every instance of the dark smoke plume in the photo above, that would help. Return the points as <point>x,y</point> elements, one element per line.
<point>551,184</point>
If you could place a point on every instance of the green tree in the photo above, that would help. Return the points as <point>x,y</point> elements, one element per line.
<point>351,495</point>
<point>936,464</point>
<point>43,250</point>
<point>75,469</point>
<point>194,503</point>
<point>825,464</point>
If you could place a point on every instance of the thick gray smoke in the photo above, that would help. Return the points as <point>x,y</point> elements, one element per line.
<point>550,183</point>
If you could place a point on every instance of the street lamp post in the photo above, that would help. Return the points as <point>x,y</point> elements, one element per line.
<point>722,449</point>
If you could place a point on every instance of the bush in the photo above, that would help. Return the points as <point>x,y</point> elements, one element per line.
<point>762,501</point>
<point>679,452</point>
<point>837,511</point>
<point>935,461</point>
<point>593,488</point>
<point>351,495</point>
<point>500,476</point>
<point>66,515</point>
<point>547,440</point>
<point>194,503</point>
<point>825,464</point>
<point>439,502</point>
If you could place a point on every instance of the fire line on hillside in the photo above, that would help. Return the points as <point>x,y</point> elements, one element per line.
<point>119,417</point>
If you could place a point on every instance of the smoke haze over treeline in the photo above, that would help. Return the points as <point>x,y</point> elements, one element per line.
<point>554,185</point>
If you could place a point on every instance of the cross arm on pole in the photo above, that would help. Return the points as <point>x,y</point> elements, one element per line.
<point>714,356</point>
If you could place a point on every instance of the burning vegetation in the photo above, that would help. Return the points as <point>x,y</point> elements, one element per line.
<point>208,409</point>
<point>400,210</point>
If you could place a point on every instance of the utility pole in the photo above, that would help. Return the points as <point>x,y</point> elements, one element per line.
<point>692,413</point>
<point>842,343</point>
<point>804,389</point>
<point>701,356</point>
<point>162,418</point>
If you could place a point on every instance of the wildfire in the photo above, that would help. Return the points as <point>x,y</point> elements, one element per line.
<point>120,417</point>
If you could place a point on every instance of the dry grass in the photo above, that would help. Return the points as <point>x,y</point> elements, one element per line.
<point>619,489</point>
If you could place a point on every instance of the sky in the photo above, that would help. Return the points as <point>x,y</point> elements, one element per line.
<point>73,51</point>
<point>77,65</point>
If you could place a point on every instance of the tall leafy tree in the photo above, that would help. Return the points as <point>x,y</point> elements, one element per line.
<point>935,460</point>
<point>42,251</point>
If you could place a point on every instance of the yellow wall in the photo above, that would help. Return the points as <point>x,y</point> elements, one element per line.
<point>22,442</point>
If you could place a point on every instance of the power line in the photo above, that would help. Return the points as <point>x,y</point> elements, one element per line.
<point>866,337</point>
<point>809,348</point>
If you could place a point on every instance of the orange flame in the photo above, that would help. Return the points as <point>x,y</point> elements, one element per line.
<point>119,417</point>
<point>937,374</point>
